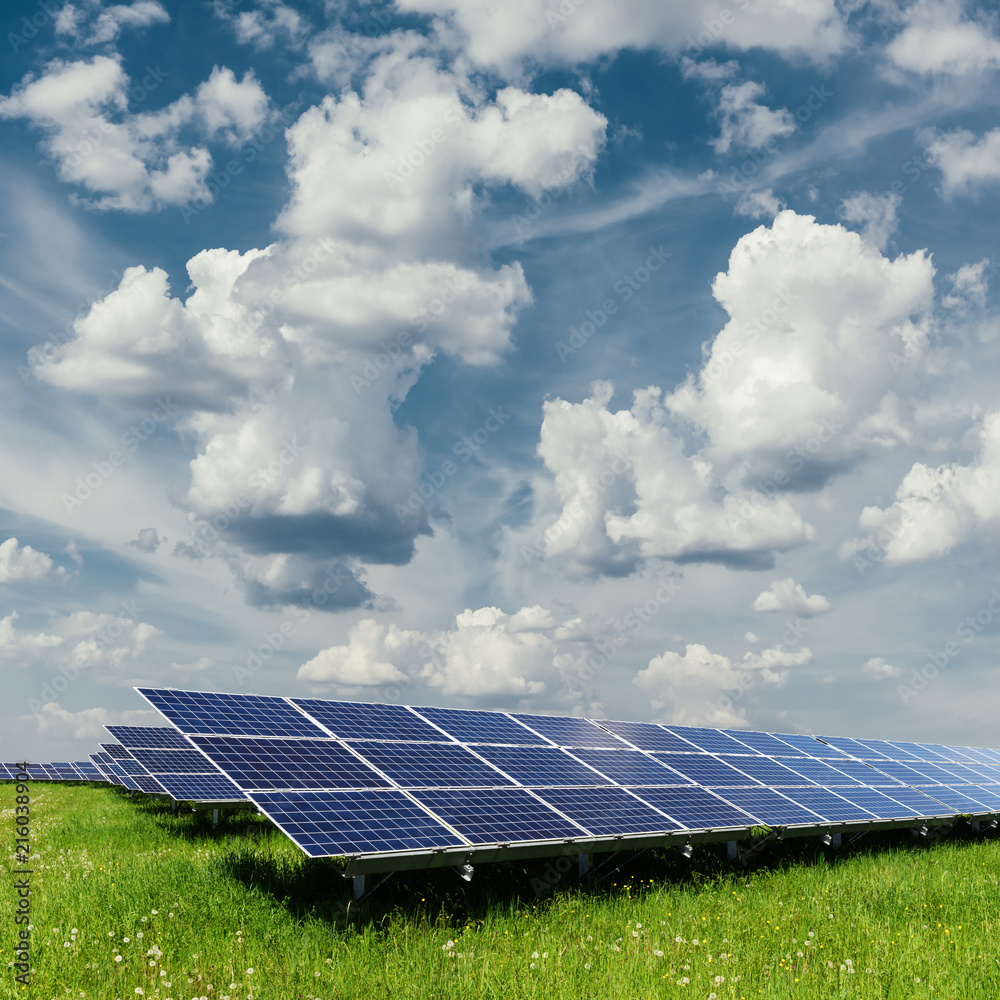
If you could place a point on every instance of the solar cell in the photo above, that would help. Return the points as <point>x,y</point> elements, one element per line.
<point>919,750</point>
<point>416,765</point>
<point>328,823</point>
<point>631,767</point>
<point>919,801</point>
<point>710,740</point>
<point>357,721</point>
<point>210,713</point>
<point>812,746</point>
<point>827,804</point>
<point>497,815</point>
<point>149,736</point>
<point>968,773</point>
<point>481,727</point>
<point>695,808</point>
<point>988,795</point>
<point>147,783</point>
<point>607,811</point>
<point>960,798</point>
<point>541,766</point>
<point>646,736</point>
<point>707,771</point>
<point>868,773</point>
<point>906,774</point>
<point>767,744</point>
<point>566,731</point>
<point>887,749</point>
<point>200,787</point>
<point>940,774</point>
<point>170,761</point>
<point>826,774</point>
<point>978,754</point>
<point>279,764</point>
<point>116,750</point>
<point>132,767</point>
<point>878,803</point>
<point>769,807</point>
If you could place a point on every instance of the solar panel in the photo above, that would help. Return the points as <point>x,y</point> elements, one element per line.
<point>695,808</point>
<point>890,750</point>
<point>170,761</point>
<point>956,797</point>
<point>631,767</point>
<point>200,787</point>
<point>768,771</point>
<point>812,746</point>
<point>710,740</point>
<point>826,774</point>
<point>770,807</point>
<point>540,766</point>
<point>116,750</point>
<point>279,764</point>
<point>147,783</point>
<point>356,822</point>
<point>646,736</point>
<point>481,727</point>
<point>497,815</point>
<point>826,803</point>
<point>767,744</point>
<point>566,731</point>
<point>607,811</point>
<point>417,765</point>
<point>357,721</point>
<point>148,736</point>
<point>707,771</point>
<point>209,713</point>
<point>920,751</point>
<point>903,772</point>
<point>920,802</point>
<point>878,803</point>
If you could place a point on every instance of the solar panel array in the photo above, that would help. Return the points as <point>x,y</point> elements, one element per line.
<point>346,778</point>
<point>370,780</point>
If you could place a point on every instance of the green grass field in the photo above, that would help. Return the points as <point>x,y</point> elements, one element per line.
<point>130,900</point>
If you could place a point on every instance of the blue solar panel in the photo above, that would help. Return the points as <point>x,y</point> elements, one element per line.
<point>328,823</point>
<point>116,750</point>
<point>481,727</point>
<point>769,771</point>
<point>919,750</point>
<point>826,774</point>
<point>443,765</point>
<point>497,815</point>
<point>710,740</point>
<point>647,736</point>
<point>890,750</point>
<point>147,783</point>
<point>631,767</point>
<point>352,720</point>
<point>968,773</point>
<point>988,795</point>
<point>566,731</point>
<point>170,761</point>
<point>827,804</point>
<point>707,771</point>
<point>131,767</point>
<point>200,787</point>
<point>607,811</point>
<point>849,746</point>
<point>957,797</point>
<point>767,744</point>
<point>878,803</point>
<point>149,736</point>
<point>280,764</point>
<point>541,766</point>
<point>866,773</point>
<point>211,714</point>
<point>769,807</point>
<point>812,746</point>
<point>903,772</point>
<point>695,808</point>
<point>979,754</point>
<point>919,801</point>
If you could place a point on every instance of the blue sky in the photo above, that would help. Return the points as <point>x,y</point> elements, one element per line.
<point>627,360</point>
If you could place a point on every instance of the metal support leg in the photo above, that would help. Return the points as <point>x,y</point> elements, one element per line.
<point>732,850</point>
<point>215,818</point>
<point>975,825</point>
<point>836,840</point>
<point>582,865</point>
<point>360,885</point>
<point>173,807</point>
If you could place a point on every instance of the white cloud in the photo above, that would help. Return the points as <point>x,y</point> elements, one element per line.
<point>25,563</point>
<point>938,39</point>
<point>148,540</point>
<point>760,203</point>
<point>875,212</point>
<point>272,22</point>
<point>488,654</point>
<point>506,35</point>
<point>746,124</point>
<point>89,724</point>
<point>877,669</point>
<point>700,687</point>
<point>133,162</point>
<point>789,596</point>
<point>89,23</point>
<point>966,163</point>
<point>938,508</point>
<point>969,285</point>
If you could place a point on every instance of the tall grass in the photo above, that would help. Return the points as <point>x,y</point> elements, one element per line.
<point>131,900</point>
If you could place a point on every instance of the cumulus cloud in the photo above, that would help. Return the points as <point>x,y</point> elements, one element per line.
<point>789,596</point>
<point>488,654</point>
<point>505,36</point>
<point>875,212</point>
<point>877,669</point>
<point>799,386</point>
<point>937,38</point>
<point>745,123</point>
<point>969,285</point>
<point>271,23</point>
<point>22,562</point>
<point>699,687</point>
<point>133,162</point>
<point>88,23</point>
<point>937,508</point>
<point>966,163</point>
<point>760,203</point>
<point>148,540</point>
<point>89,724</point>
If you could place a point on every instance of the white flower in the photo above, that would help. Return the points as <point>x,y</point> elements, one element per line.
<point>118,958</point>
<point>658,953</point>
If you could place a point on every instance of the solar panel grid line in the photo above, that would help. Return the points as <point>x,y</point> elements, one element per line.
<point>401,722</point>
<point>149,736</point>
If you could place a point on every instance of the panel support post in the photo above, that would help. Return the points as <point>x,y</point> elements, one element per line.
<point>360,885</point>
<point>836,840</point>
<point>215,818</point>
<point>173,807</point>
<point>732,850</point>
<point>975,825</point>
<point>582,865</point>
